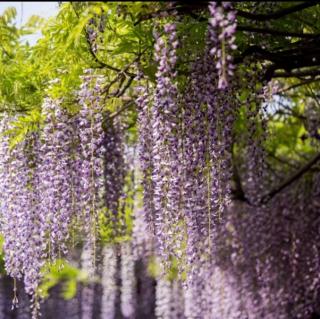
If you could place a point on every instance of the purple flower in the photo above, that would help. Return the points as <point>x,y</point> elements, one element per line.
<point>222,28</point>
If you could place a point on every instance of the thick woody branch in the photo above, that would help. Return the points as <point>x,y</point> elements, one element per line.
<point>278,14</point>
<point>294,86</point>
<point>304,169</point>
<point>277,32</point>
<point>125,107</point>
<point>295,74</point>
<point>189,8</point>
<point>306,56</point>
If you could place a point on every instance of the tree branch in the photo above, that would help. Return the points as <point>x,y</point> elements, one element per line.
<point>277,32</point>
<point>125,87</point>
<point>297,85</point>
<point>122,72</point>
<point>304,169</point>
<point>188,8</point>
<point>93,54</point>
<point>237,191</point>
<point>301,57</point>
<point>290,74</point>
<point>124,108</point>
<point>248,28</point>
<point>278,14</point>
<point>282,161</point>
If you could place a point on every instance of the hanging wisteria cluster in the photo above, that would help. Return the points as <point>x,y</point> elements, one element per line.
<point>87,293</point>
<point>114,172</point>
<point>145,151</point>
<point>21,216</point>
<point>186,146</point>
<point>54,180</point>
<point>91,138</point>
<point>128,282</point>
<point>185,149</point>
<point>248,276</point>
<point>222,34</point>
<point>57,175</point>
<point>254,162</point>
<point>109,283</point>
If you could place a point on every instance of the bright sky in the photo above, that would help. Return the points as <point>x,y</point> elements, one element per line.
<point>26,9</point>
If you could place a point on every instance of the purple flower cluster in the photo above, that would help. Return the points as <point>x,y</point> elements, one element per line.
<point>92,35</point>
<point>170,300</point>
<point>166,144</point>
<point>109,282</point>
<point>66,173</point>
<point>222,28</point>
<point>128,282</point>
<point>199,134</point>
<point>142,239</point>
<point>266,264</point>
<point>11,215</point>
<point>87,293</point>
<point>255,165</point>
<point>34,250</point>
<point>145,151</point>
<point>272,256</point>
<point>93,152</point>
<point>114,171</point>
<point>56,176</point>
<point>24,241</point>
<point>163,298</point>
<point>186,147</point>
<point>102,160</point>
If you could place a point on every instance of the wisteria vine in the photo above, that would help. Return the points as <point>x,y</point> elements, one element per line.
<point>193,249</point>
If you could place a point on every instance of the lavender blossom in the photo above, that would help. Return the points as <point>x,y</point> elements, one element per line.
<point>87,293</point>
<point>142,239</point>
<point>165,153</point>
<point>114,172</point>
<point>57,176</point>
<point>163,299</point>
<point>145,153</point>
<point>170,301</point>
<point>12,189</point>
<point>222,27</point>
<point>21,217</point>
<point>109,284</point>
<point>128,282</point>
<point>256,169</point>
<point>92,136</point>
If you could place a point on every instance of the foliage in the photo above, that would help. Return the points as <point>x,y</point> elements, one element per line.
<point>2,268</point>
<point>64,274</point>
